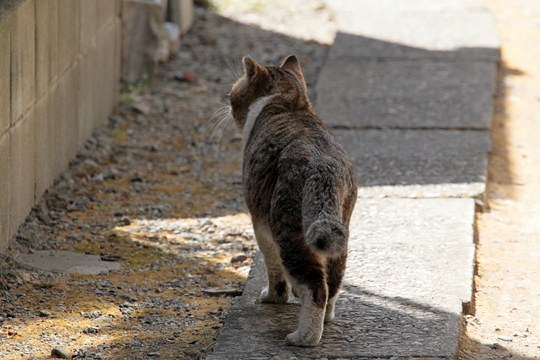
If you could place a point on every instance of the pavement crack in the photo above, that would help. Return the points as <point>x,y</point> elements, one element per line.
<point>419,128</point>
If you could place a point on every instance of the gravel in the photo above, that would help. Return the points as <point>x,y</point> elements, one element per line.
<point>158,190</point>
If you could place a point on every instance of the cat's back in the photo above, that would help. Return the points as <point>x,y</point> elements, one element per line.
<point>294,144</point>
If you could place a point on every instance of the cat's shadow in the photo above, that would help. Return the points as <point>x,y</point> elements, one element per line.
<point>365,322</point>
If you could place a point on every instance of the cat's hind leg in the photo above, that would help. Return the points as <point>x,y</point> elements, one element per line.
<point>335,269</point>
<point>277,290</point>
<point>312,314</point>
<point>330,309</point>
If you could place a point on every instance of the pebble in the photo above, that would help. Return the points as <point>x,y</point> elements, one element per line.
<point>208,38</point>
<point>129,297</point>
<point>223,291</point>
<point>239,258</point>
<point>142,107</point>
<point>92,314</point>
<point>44,313</point>
<point>124,221</point>
<point>504,338</point>
<point>74,237</point>
<point>153,354</point>
<point>60,353</point>
<point>137,178</point>
<point>186,76</point>
<point>43,214</point>
<point>91,330</point>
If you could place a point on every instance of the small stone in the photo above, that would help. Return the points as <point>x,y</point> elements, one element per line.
<point>92,314</point>
<point>91,330</point>
<point>44,313</point>
<point>153,354</point>
<point>129,297</point>
<point>74,237</point>
<point>89,165</point>
<point>137,178</point>
<point>115,119</point>
<point>60,353</point>
<point>11,315</point>
<point>208,38</point>
<point>98,177</point>
<point>223,291</point>
<point>124,221</point>
<point>187,76</point>
<point>239,258</point>
<point>111,173</point>
<point>504,338</point>
<point>142,107</point>
<point>43,214</point>
<point>109,257</point>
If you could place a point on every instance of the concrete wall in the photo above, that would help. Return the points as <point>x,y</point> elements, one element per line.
<point>59,76</point>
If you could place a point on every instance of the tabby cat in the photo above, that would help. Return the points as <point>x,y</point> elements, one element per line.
<point>300,190</point>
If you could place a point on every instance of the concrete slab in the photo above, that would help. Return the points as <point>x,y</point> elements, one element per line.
<point>68,262</point>
<point>406,94</point>
<point>89,92</point>
<point>409,269</point>
<point>46,142</point>
<point>21,188</point>
<point>69,92</point>
<point>418,163</point>
<point>106,60</point>
<point>23,61</point>
<point>4,191</point>
<point>68,33</point>
<point>46,45</point>
<point>5,99</point>
<point>54,119</point>
<point>426,25</point>
<point>89,25</point>
<point>106,10</point>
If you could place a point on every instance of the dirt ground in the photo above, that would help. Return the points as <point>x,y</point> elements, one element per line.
<point>159,191</point>
<point>507,320</point>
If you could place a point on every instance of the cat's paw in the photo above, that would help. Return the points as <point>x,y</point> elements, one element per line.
<point>295,339</point>
<point>272,297</point>
<point>329,315</point>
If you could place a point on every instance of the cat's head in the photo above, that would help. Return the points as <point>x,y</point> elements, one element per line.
<point>285,84</point>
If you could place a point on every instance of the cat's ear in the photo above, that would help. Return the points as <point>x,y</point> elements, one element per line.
<point>251,67</point>
<point>292,64</point>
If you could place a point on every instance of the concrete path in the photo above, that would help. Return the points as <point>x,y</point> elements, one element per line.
<point>408,89</point>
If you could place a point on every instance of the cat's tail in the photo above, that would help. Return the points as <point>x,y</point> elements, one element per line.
<point>327,236</point>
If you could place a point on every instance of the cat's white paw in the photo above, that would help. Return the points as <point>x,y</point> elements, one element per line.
<point>295,339</point>
<point>272,298</point>
<point>329,315</point>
